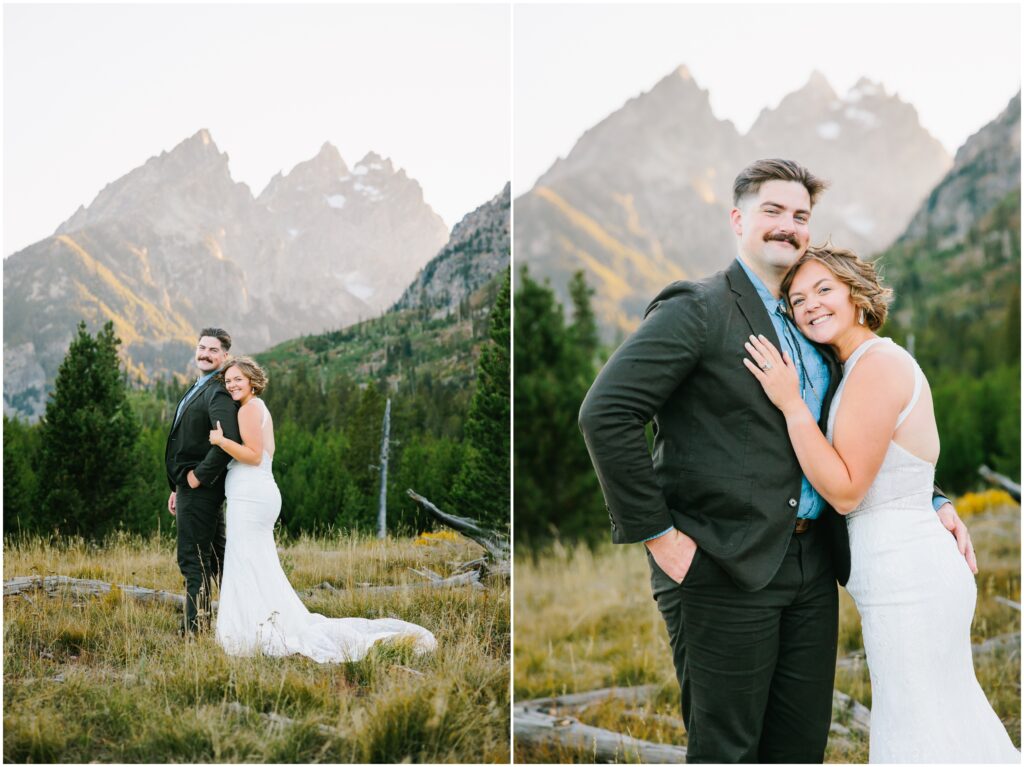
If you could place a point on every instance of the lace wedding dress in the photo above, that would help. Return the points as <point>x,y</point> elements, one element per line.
<point>259,611</point>
<point>916,598</point>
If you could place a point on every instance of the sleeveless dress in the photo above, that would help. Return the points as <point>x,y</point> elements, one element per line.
<point>916,598</point>
<point>259,611</point>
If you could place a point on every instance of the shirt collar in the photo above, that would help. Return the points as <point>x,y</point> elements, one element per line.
<point>771,302</point>
<point>204,378</point>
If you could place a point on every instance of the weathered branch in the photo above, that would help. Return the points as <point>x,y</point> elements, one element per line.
<point>580,701</point>
<point>51,584</point>
<point>1013,488</point>
<point>494,542</point>
<point>541,722</point>
<point>471,578</point>
<point>536,728</point>
<point>1009,641</point>
<point>1008,603</point>
<point>545,722</point>
<point>859,714</point>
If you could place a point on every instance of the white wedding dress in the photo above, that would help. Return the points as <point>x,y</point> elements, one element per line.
<point>259,611</point>
<point>916,598</point>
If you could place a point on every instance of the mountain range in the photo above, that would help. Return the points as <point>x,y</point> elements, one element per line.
<point>643,198</point>
<point>480,246</point>
<point>176,244</point>
<point>955,270</point>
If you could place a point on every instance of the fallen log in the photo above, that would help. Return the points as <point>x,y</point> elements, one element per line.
<point>51,585</point>
<point>580,701</point>
<point>541,722</point>
<point>471,578</point>
<point>533,727</point>
<point>1009,641</point>
<point>493,541</point>
<point>1013,488</point>
<point>1008,603</point>
<point>858,715</point>
<point>546,722</point>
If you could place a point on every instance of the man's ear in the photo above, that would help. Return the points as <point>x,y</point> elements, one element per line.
<point>736,219</point>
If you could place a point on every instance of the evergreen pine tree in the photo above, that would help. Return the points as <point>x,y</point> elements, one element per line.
<point>482,487</point>
<point>89,452</point>
<point>556,490</point>
<point>21,448</point>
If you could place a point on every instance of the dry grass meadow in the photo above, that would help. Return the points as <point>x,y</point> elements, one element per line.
<point>586,620</point>
<point>108,680</point>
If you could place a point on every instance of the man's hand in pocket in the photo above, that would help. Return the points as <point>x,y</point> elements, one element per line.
<point>674,552</point>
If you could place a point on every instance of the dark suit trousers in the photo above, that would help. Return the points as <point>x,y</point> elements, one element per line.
<point>756,668</point>
<point>201,539</point>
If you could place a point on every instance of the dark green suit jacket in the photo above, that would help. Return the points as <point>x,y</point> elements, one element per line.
<point>188,444</point>
<point>723,470</point>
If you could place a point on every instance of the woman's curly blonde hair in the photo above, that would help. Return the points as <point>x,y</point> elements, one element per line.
<point>866,289</point>
<point>250,369</point>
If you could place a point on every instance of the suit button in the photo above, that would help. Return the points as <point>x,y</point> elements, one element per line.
<point>792,502</point>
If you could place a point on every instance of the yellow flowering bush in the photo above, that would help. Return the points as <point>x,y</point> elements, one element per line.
<point>424,539</point>
<point>969,504</point>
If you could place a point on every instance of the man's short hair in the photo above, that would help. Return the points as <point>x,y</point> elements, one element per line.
<point>220,334</point>
<point>750,178</point>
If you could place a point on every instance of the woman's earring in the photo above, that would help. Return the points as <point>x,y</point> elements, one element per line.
<point>861,319</point>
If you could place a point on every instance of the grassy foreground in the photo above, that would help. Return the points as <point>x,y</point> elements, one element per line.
<point>108,679</point>
<point>586,620</point>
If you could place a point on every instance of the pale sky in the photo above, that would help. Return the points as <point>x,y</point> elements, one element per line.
<point>958,65</point>
<point>93,91</point>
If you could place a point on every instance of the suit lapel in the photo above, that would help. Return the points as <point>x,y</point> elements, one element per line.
<point>750,304</point>
<point>189,404</point>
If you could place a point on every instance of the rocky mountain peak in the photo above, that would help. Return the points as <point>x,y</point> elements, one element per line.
<point>173,191</point>
<point>374,162</point>
<point>197,151</point>
<point>330,157</point>
<point>478,249</point>
<point>818,84</point>
<point>985,170</point>
<point>677,87</point>
<point>865,87</point>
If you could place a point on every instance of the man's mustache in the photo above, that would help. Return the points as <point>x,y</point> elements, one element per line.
<point>783,237</point>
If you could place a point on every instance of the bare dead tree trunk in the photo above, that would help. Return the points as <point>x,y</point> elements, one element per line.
<point>385,443</point>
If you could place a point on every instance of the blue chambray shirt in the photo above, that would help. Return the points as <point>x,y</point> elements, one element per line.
<point>191,392</point>
<point>815,375</point>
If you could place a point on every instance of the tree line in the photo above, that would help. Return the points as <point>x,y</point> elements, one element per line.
<point>95,461</point>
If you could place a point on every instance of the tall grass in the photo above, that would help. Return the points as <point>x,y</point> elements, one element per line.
<point>108,679</point>
<point>586,620</point>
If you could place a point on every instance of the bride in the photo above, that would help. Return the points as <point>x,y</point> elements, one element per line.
<point>913,589</point>
<point>259,611</point>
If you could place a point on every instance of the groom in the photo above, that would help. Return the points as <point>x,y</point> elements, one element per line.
<point>196,472</point>
<point>744,553</point>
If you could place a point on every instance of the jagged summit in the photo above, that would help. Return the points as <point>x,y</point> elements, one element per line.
<point>817,88</point>
<point>321,247</point>
<point>478,249</point>
<point>679,83</point>
<point>329,153</point>
<point>199,145</point>
<point>373,161</point>
<point>643,197</point>
<point>866,87</point>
